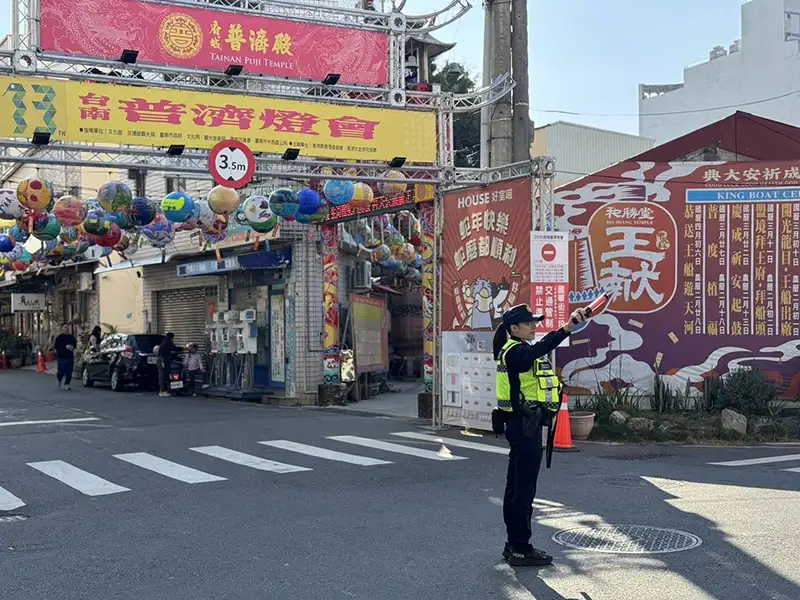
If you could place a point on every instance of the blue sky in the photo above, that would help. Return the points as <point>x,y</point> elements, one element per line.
<point>589,56</point>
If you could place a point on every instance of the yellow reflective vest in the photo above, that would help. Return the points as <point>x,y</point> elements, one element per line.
<point>537,386</point>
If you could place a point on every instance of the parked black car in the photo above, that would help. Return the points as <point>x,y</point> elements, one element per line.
<point>123,359</point>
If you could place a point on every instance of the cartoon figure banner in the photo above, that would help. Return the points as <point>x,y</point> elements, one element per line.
<point>486,258</point>
<point>703,263</point>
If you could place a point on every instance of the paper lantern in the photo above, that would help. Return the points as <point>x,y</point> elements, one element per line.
<point>94,224</point>
<point>259,215</point>
<point>284,202</point>
<point>34,193</point>
<point>160,232</point>
<point>70,211</point>
<point>6,243</point>
<point>112,236</point>
<point>19,234</point>
<point>10,208</point>
<point>339,192</point>
<point>362,196</point>
<point>141,211</point>
<point>113,196</point>
<point>309,200</point>
<point>393,189</point>
<point>223,201</point>
<point>50,231</point>
<point>177,206</point>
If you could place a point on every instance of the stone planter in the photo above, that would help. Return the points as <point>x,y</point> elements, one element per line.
<point>581,424</point>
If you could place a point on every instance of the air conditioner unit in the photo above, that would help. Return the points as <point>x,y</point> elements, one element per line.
<point>248,316</point>
<point>362,276</point>
<point>232,316</point>
<point>218,317</point>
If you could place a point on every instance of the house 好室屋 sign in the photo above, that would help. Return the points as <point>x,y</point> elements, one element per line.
<point>145,116</point>
<point>211,38</point>
<point>703,264</point>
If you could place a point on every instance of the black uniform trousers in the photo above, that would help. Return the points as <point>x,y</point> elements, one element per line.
<point>524,461</point>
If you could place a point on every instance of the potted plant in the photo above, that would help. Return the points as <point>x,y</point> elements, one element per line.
<point>581,421</point>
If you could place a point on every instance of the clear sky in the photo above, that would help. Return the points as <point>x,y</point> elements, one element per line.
<point>589,56</point>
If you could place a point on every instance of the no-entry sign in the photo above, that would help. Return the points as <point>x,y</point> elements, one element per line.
<point>550,278</point>
<point>232,164</point>
<point>548,252</point>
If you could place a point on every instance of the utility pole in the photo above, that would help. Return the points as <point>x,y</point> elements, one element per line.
<point>521,124</point>
<point>500,111</point>
<point>486,111</point>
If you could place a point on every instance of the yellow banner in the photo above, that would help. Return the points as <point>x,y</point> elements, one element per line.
<point>144,116</point>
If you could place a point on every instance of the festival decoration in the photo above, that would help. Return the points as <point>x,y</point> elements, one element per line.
<point>49,232</point>
<point>112,236</point>
<point>223,201</point>
<point>6,243</point>
<point>70,211</point>
<point>393,189</point>
<point>339,192</point>
<point>10,208</point>
<point>284,202</point>
<point>18,234</point>
<point>310,201</point>
<point>259,215</point>
<point>362,196</point>
<point>95,223</point>
<point>113,196</point>
<point>178,207</point>
<point>34,193</point>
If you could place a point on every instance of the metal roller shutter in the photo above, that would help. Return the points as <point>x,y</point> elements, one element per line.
<point>183,312</point>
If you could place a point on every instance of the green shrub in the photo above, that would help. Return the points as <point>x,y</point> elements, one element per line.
<point>747,391</point>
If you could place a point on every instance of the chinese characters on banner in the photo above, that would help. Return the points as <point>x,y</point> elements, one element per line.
<point>486,260</point>
<point>704,266</point>
<point>143,116</point>
<point>214,39</point>
<point>550,278</point>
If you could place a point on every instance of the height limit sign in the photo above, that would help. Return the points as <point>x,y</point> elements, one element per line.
<point>232,164</point>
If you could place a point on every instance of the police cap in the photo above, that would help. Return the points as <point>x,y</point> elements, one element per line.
<point>520,314</point>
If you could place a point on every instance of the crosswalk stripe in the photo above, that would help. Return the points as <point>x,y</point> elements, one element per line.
<point>77,479</point>
<point>168,468</point>
<point>390,447</point>
<point>758,461</point>
<point>796,470</point>
<point>412,435</point>
<point>353,459</point>
<point>248,460</point>
<point>9,501</point>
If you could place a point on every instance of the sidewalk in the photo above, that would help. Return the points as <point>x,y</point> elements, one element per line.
<point>399,403</point>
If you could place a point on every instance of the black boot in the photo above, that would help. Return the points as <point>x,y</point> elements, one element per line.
<point>530,558</point>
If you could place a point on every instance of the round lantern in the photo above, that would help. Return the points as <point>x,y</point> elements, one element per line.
<point>112,236</point>
<point>95,223</point>
<point>10,207</point>
<point>239,218</point>
<point>141,211</point>
<point>35,193</point>
<point>380,253</point>
<point>322,213</point>
<point>123,219</point>
<point>259,215</point>
<point>309,200</point>
<point>160,232</point>
<point>93,204</point>
<point>177,206</point>
<point>70,211</point>
<point>218,230</point>
<point>6,243</point>
<point>18,234</point>
<point>284,202</point>
<point>393,189</point>
<point>339,192</point>
<point>205,216</point>
<point>223,201</point>
<point>123,244</point>
<point>69,234</point>
<point>32,219</point>
<point>19,265</point>
<point>50,231</point>
<point>113,196</point>
<point>362,196</point>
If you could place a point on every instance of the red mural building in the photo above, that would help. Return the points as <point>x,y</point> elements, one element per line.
<point>698,240</point>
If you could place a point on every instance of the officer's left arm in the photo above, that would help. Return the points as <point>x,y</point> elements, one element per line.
<point>521,357</point>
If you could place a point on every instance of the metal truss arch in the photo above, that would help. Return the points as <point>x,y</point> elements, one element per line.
<point>437,20</point>
<point>484,96</point>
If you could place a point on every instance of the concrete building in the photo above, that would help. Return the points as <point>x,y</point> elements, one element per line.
<point>758,73</point>
<point>580,150</point>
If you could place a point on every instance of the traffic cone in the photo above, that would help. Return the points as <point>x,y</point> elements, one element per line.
<point>563,438</point>
<point>4,363</point>
<point>41,364</point>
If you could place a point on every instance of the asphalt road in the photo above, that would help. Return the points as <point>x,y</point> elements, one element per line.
<point>150,500</point>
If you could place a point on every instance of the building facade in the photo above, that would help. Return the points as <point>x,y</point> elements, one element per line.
<point>759,72</point>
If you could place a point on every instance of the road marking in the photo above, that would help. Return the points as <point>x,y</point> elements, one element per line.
<point>247,460</point>
<point>797,470</point>
<point>49,422</point>
<point>77,479</point>
<point>168,468</point>
<point>758,461</point>
<point>9,501</point>
<point>390,447</point>
<point>452,442</point>
<point>353,459</point>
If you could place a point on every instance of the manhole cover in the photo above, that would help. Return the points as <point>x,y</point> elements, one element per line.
<point>627,539</point>
<point>13,518</point>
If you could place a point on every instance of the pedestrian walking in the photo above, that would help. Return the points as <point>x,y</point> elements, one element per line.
<point>528,396</point>
<point>65,357</point>
<point>193,361</point>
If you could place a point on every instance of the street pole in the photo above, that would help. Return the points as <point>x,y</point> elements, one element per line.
<point>486,115</point>
<point>501,142</point>
<point>519,55</point>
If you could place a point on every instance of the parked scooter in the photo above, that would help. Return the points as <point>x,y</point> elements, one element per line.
<point>177,378</point>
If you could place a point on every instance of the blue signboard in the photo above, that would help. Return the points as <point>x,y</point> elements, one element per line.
<point>742,195</point>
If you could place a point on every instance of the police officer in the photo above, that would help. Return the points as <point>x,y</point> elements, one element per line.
<point>527,398</point>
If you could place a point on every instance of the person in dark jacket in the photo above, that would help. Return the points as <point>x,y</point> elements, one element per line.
<point>165,353</point>
<point>65,356</point>
<point>528,396</point>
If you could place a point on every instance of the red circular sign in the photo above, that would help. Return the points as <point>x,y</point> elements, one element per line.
<point>549,252</point>
<point>232,164</point>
